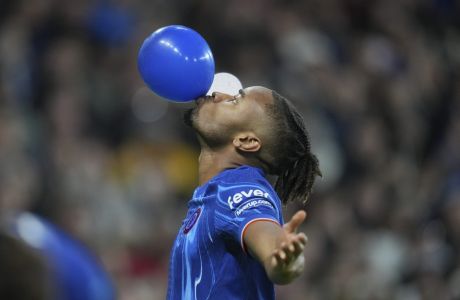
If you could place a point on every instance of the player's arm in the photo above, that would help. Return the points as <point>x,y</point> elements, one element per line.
<point>279,249</point>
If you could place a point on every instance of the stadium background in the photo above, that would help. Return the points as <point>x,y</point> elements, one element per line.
<point>83,142</point>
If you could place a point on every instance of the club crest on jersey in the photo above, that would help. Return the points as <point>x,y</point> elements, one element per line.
<point>192,220</point>
<point>243,195</point>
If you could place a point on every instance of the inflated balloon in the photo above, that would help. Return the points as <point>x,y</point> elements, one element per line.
<point>176,63</point>
<point>75,273</point>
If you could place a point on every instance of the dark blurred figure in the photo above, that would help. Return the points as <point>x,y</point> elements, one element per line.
<point>23,273</point>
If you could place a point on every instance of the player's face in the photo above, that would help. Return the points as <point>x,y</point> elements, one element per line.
<point>217,119</point>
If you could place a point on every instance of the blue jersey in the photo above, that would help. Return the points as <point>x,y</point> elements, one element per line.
<point>208,259</point>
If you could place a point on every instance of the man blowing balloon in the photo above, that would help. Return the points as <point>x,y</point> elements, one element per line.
<point>233,243</point>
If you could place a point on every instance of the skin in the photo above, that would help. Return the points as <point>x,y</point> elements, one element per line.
<point>232,130</point>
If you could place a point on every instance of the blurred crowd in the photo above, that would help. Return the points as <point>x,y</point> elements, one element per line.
<point>84,143</point>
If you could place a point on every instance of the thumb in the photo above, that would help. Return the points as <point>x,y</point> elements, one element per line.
<point>295,221</point>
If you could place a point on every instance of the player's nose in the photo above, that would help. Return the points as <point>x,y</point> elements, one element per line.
<point>218,97</point>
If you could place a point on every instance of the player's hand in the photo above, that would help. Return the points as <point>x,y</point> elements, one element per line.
<point>287,260</point>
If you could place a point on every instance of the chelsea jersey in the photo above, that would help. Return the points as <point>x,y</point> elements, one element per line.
<point>208,259</point>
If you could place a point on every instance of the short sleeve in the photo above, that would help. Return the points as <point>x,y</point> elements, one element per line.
<point>242,204</point>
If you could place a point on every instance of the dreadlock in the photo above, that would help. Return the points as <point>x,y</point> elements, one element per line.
<point>292,160</point>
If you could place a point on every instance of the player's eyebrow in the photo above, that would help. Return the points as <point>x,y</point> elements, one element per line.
<point>242,93</point>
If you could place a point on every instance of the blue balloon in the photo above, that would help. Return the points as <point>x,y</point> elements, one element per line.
<point>176,63</point>
<point>75,273</point>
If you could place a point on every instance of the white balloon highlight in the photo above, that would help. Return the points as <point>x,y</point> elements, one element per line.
<point>225,83</point>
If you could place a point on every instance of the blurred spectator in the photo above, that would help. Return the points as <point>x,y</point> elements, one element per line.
<point>23,273</point>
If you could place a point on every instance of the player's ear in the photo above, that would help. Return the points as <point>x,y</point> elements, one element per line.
<point>247,142</point>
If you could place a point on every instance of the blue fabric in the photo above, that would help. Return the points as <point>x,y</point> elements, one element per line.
<point>207,259</point>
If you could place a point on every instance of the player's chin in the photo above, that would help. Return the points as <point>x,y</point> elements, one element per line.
<point>199,101</point>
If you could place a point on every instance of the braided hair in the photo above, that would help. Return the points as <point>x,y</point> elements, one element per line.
<point>291,158</point>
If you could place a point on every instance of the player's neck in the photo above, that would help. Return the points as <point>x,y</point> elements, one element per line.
<point>212,163</point>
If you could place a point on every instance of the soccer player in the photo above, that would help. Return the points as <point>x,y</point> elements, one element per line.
<point>232,244</point>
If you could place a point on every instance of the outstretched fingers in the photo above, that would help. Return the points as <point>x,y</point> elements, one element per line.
<point>290,250</point>
<point>297,219</point>
<point>297,244</point>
